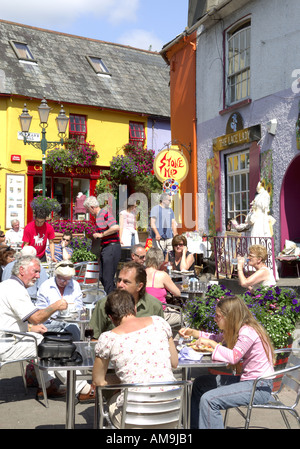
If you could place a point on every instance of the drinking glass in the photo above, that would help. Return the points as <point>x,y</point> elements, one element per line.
<point>89,333</point>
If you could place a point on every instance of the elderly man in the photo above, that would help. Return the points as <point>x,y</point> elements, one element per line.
<point>18,313</point>
<point>132,278</point>
<point>36,234</point>
<point>138,253</point>
<point>15,234</point>
<point>163,224</point>
<point>108,232</point>
<point>61,285</point>
<point>62,251</point>
<point>33,289</point>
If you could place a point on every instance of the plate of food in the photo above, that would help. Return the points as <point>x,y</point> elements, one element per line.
<point>203,349</point>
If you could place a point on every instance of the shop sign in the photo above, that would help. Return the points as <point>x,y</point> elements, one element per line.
<point>15,158</point>
<point>171,164</point>
<point>234,139</point>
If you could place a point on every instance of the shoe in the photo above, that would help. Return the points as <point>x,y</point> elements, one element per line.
<point>52,392</point>
<point>88,397</point>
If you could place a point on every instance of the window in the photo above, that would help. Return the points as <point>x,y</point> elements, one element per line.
<point>237,169</point>
<point>238,63</point>
<point>77,128</point>
<point>22,51</point>
<point>136,133</point>
<point>98,65</point>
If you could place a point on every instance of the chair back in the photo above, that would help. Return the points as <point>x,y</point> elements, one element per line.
<point>158,405</point>
<point>292,379</point>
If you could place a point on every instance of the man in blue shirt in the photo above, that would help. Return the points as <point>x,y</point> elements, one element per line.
<point>61,249</point>
<point>163,224</point>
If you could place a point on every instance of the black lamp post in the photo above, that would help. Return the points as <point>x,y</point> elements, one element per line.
<point>62,122</point>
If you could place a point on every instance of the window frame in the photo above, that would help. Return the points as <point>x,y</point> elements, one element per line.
<point>234,212</point>
<point>240,77</point>
<point>81,135</point>
<point>29,56</point>
<point>98,65</point>
<point>133,138</point>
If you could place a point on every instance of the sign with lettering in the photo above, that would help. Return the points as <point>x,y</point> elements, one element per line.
<point>171,164</point>
<point>246,135</point>
<point>15,158</point>
<point>32,137</point>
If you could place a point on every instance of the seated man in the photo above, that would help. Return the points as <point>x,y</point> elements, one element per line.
<point>138,253</point>
<point>61,285</point>
<point>15,234</point>
<point>33,289</point>
<point>18,313</point>
<point>62,251</point>
<point>133,279</point>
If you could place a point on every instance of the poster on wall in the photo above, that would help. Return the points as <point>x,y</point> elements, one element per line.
<point>15,199</point>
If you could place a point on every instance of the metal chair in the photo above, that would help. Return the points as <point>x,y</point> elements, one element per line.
<point>145,409</point>
<point>8,335</point>
<point>290,378</point>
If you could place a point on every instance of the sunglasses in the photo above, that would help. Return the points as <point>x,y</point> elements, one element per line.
<point>140,257</point>
<point>2,235</point>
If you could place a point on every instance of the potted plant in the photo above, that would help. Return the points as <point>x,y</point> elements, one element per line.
<point>278,310</point>
<point>82,250</point>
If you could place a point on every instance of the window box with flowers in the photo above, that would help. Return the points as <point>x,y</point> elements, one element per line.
<point>75,154</point>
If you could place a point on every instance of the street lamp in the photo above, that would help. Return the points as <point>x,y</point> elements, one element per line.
<point>62,122</point>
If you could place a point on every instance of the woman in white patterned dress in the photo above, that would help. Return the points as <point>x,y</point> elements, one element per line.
<point>141,350</point>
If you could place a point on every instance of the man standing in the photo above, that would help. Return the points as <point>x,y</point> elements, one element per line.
<point>108,232</point>
<point>163,224</point>
<point>62,251</point>
<point>37,233</point>
<point>138,253</point>
<point>132,278</point>
<point>15,234</point>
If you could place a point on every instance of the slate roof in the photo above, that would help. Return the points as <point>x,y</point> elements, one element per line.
<point>139,80</point>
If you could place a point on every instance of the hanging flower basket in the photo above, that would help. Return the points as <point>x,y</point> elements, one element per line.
<point>43,206</point>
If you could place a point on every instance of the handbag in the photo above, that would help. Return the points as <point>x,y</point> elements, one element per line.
<point>96,247</point>
<point>56,345</point>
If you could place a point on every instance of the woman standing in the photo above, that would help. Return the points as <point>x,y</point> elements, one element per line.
<point>263,276</point>
<point>141,350</point>
<point>128,232</point>
<point>246,340</point>
<point>180,258</point>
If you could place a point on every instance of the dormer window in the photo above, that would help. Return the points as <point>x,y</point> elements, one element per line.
<point>98,65</point>
<point>22,51</point>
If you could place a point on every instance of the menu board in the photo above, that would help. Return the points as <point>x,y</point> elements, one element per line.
<point>15,199</point>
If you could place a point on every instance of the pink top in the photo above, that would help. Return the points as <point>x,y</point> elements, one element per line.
<point>248,349</point>
<point>129,219</point>
<point>159,293</point>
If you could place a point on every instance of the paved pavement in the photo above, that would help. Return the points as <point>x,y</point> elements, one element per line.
<point>21,411</point>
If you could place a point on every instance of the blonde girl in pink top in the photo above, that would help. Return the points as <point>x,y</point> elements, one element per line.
<point>244,344</point>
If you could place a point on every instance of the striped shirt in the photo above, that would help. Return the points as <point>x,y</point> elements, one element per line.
<point>104,221</point>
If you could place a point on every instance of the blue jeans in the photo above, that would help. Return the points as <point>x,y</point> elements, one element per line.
<point>212,393</point>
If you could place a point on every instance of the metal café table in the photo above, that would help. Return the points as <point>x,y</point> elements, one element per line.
<point>206,362</point>
<point>76,319</point>
<point>88,355</point>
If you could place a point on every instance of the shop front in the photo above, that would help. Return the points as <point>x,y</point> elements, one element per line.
<point>69,188</point>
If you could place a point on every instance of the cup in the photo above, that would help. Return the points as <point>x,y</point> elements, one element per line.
<point>185,282</point>
<point>71,307</point>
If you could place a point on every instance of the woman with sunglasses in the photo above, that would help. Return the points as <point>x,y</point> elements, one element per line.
<point>263,276</point>
<point>180,258</point>
<point>61,285</point>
